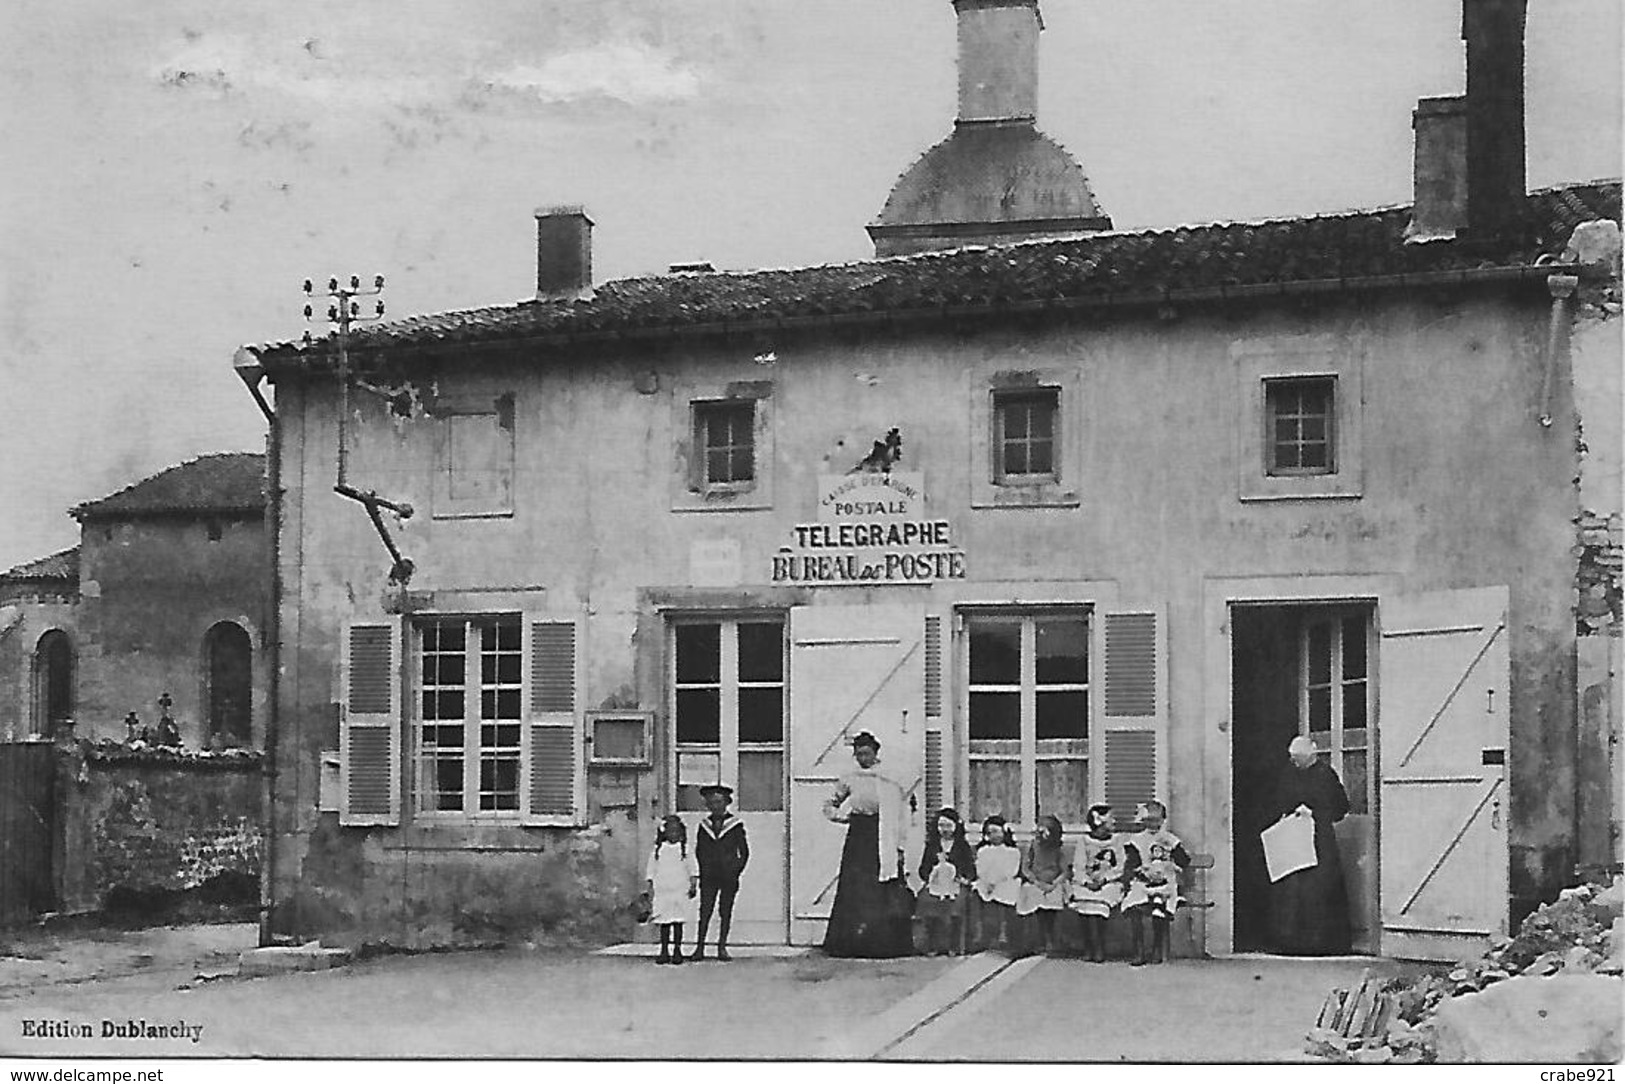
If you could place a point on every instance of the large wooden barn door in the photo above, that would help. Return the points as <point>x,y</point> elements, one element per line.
<point>852,668</point>
<point>1443,732</point>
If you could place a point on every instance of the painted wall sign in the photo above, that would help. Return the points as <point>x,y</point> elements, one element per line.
<point>872,530</point>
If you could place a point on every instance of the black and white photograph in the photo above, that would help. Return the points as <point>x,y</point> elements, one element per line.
<point>959,534</point>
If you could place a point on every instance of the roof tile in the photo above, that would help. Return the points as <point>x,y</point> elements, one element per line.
<point>225,482</point>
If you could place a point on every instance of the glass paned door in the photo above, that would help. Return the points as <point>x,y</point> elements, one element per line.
<point>728,727</point>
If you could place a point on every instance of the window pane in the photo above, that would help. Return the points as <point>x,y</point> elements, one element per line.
<point>995,788</point>
<point>1043,419</point>
<point>1286,456</point>
<point>1286,430</point>
<point>1312,457</point>
<point>448,670</point>
<point>995,715</point>
<point>1356,781</point>
<point>699,716</point>
<point>1063,651</point>
<point>1354,706</point>
<point>1015,457</point>
<point>761,781</point>
<point>1314,428</point>
<point>1063,789</point>
<point>716,466</point>
<point>450,705</point>
<point>761,715</point>
<point>448,783</point>
<point>1062,715</point>
<point>995,653</point>
<point>742,465</point>
<point>1320,653</point>
<point>1320,709</point>
<point>508,668</point>
<point>1354,647</point>
<point>1014,415</point>
<point>699,654</point>
<point>761,651</point>
<point>689,800</point>
<point>446,737</point>
<point>1040,457</point>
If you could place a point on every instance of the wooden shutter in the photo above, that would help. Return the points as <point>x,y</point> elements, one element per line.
<point>370,731</point>
<point>552,779</point>
<point>1131,751</point>
<point>935,783</point>
<point>1443,736</point>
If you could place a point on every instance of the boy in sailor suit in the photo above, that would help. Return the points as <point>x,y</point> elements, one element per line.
<point>722,851</point>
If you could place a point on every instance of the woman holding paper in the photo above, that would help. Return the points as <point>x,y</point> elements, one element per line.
<point>1309,909</point>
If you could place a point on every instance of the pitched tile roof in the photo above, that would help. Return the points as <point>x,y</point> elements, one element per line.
<point>225,482</point>
<point>1147,265</point>
<point>58,566</point>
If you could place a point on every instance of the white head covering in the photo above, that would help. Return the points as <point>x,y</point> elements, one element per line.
<point>1300,746</point>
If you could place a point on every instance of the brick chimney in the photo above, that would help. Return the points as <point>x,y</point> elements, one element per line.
<point>1470,174</point>
<point>1440,170</point>
<point>1496,178</point>
<point>563,253</point>
<point>998,59</point>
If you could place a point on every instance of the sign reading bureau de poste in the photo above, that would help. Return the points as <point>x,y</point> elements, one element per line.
<point>872,530</point>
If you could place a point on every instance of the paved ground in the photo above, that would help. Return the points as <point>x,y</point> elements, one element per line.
<point>518,1003</point>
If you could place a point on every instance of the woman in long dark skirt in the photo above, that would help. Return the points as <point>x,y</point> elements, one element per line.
<point>1309,909</point>
<point>870,917</point>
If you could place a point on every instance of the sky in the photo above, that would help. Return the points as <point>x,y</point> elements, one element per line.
<point>176,169</point>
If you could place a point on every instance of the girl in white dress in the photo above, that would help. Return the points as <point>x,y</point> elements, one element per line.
<point>998,884</point>
<point>674,882</point>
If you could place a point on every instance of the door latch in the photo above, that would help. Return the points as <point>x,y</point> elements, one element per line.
<point>1495,813</point>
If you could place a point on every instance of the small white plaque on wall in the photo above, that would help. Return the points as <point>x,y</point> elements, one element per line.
<point>714,562</point>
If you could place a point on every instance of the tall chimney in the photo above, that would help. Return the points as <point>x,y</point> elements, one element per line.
<point>998,59</point>
<point>563,253</point>
<point>1496,178</point>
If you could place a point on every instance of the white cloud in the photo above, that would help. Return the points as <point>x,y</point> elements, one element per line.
<point>629,72</point>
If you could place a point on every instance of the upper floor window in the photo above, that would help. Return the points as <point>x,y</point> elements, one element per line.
<point>1300,415</point>
<point>1025,435</point>
<point>725,433</point>
<point>474,475</point>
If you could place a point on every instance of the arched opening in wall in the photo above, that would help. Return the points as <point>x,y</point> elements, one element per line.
<point>228,670</point>
<point>53,682</point>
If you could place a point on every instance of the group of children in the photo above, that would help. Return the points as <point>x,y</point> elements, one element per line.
<point>1136,875</point>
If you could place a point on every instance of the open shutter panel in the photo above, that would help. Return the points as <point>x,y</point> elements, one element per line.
<point>553,761</point>
<point>370,735</point>
<point>1133,746</point>
<point>935,798</point>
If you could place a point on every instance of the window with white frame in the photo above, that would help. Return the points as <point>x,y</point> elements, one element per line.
<point>1334,691</point>
<point>1300,420</point>
<point>471,714</point>
<point>1025,435</point>
<point>728,708</point>
<point>725,444</point>
<point>1027,714</point>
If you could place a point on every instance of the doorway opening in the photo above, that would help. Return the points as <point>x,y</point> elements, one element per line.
<point>1303,669</point>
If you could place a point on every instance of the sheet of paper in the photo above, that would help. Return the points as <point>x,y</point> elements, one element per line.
<point>1289,845</point>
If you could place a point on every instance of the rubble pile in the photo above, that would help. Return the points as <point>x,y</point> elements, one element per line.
<point>1395,1020</point>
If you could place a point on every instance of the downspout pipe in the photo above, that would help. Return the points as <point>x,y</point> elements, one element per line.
<point>1561,287</point>
<point>252,375</point>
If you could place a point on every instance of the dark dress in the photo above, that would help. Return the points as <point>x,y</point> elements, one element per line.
<point>870,917</point>
<point>1309,910</point>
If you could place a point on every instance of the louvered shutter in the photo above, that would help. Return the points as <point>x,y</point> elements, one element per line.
<point>553,784</point>
<point>935,783</point>
<point>1131,750</point>
<point>370,733</point>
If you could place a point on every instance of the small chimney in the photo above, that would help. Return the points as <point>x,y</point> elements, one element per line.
<point>1440,170</point>
<point>563,253</point>
<point>998,59</point>
<point>1496,179</point>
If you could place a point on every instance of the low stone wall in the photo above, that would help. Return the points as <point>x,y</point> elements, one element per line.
<point>144,829</point>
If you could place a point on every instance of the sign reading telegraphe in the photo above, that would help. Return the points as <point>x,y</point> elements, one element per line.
<point>872,530</point>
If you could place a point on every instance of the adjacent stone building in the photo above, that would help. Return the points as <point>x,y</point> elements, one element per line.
<point>166,593</point>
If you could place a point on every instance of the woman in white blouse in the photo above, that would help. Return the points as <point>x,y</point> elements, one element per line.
<point>870,916</point>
